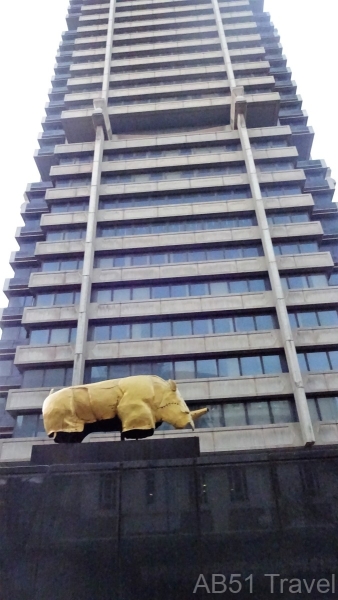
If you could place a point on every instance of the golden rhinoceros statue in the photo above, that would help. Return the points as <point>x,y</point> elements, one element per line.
<point>133,405</point>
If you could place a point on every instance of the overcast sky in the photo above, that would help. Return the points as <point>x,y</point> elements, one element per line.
<point>28,44</point>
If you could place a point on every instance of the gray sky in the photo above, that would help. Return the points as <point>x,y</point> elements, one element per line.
<point>308,34</point>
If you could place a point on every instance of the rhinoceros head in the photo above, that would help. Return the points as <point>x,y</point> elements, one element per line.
<point>175,411</point>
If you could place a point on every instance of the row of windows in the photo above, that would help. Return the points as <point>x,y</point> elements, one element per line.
<point>167,175</point>
<point>318,361</point>
<point>282,218</point>
<point>176,226</point>
<point>131,202</point>
<point>191,369</point>
<point>314,318</point>
<point>230,146</point>
<point>49,377</point>
<point>298,282</point>
<point>65,235</point>
<point>175,328</point>
<point>293,248</point>
<point>179,256</point>
<point>67,264</point>
<point>58,298</point>
<point>56,335</point>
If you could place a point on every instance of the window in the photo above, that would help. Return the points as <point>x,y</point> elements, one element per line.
<point>158,258</point>
<point>296,248</point>
<point>319,361</point>
<point>57,299</point>
<point>124,202</point>
<point>174,226</point>
<point>319,318</point>
<point>176,328</point>
<point>49,377</point>
<point>191,369</point>
<point>65,235</point>
<point>214,288</point>
<point>70,264</point>
<point>59,335</point>
<point>293,282</point>
<point>324,409</point>
<point>29,426</point>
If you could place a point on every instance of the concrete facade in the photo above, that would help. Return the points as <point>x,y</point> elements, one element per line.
<point>180,228</point>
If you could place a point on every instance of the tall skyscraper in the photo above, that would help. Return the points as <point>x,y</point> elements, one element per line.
<point>180,228</point>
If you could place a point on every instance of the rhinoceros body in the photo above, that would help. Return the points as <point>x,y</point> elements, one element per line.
<point>132,405</point>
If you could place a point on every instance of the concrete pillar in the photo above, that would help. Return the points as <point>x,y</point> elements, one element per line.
<point>277,290</point>
<point>109,49</point>
<point>88,260</point>
<point>224,45</point>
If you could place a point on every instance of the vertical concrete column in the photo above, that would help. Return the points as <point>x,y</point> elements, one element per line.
<point>109,49</point>
<point>277,290</point>
<point>224,45</point>
<point>88,260</point>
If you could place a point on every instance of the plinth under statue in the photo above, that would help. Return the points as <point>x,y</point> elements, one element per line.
<point>135,406</point>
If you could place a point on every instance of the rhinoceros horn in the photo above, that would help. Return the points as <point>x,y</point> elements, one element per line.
<point>196,414</point>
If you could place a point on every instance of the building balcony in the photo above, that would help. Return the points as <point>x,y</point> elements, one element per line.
<point>51,315</point>
<point>262,111</point>
<point>53,281</point>
<point>11,314</point>
<point>47,354</point>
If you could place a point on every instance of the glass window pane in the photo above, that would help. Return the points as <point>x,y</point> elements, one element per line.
<point>160,258</point>
<point>163,369</point>
<point>68,265</point>
<point>51,266</point>
<point>202,326</point>
<point>141,293</point>
<point>307,319</point>
<point>297,282</point>
<point>328,318</point>
<point>117,371</point>
<point>161,329</point>
<point>293,320</point>
<point>334,359</point>
<point>244,324</point>
<point>213,418</point>
<point>266,322</point>
<point>182,328</point>
<point>238,287</point>
<point>98,373</point>
<point>33,378</point>
<point>59,336</point>
<point>206,368</point>
<point>216,254</point>
<point>272,364</point>
<point>160,291</point>
<point>318,281</point>
<point>141,368</point>
<point>39,336</point>
<point>103,295</point>
<point>219,288</point>
<point>251,365</point>
<point>302,361</point>
<point>234,415</point>
<point>140,330</point>
<point>223,325</point>
<point>258,413</point>
<point>64,298</point>
<point>178,291</point>
<point>228,367</point>
<point>120,332</point>
<point>313,410</point>
<point>318,361</point>
<point>282,411</point>
<point>54,377</point>
<point>257,285</point>
<point>198,289</point>
<point>139,259</point>
<point>196,255</point>
<point>121,294</point>
<point>100,333</point>
<point>184,369</point>
<point>328,408</point>
<point>25,426</point>
<point>44,299</point>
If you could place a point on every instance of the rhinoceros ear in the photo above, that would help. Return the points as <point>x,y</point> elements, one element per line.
<point>172,385</point>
